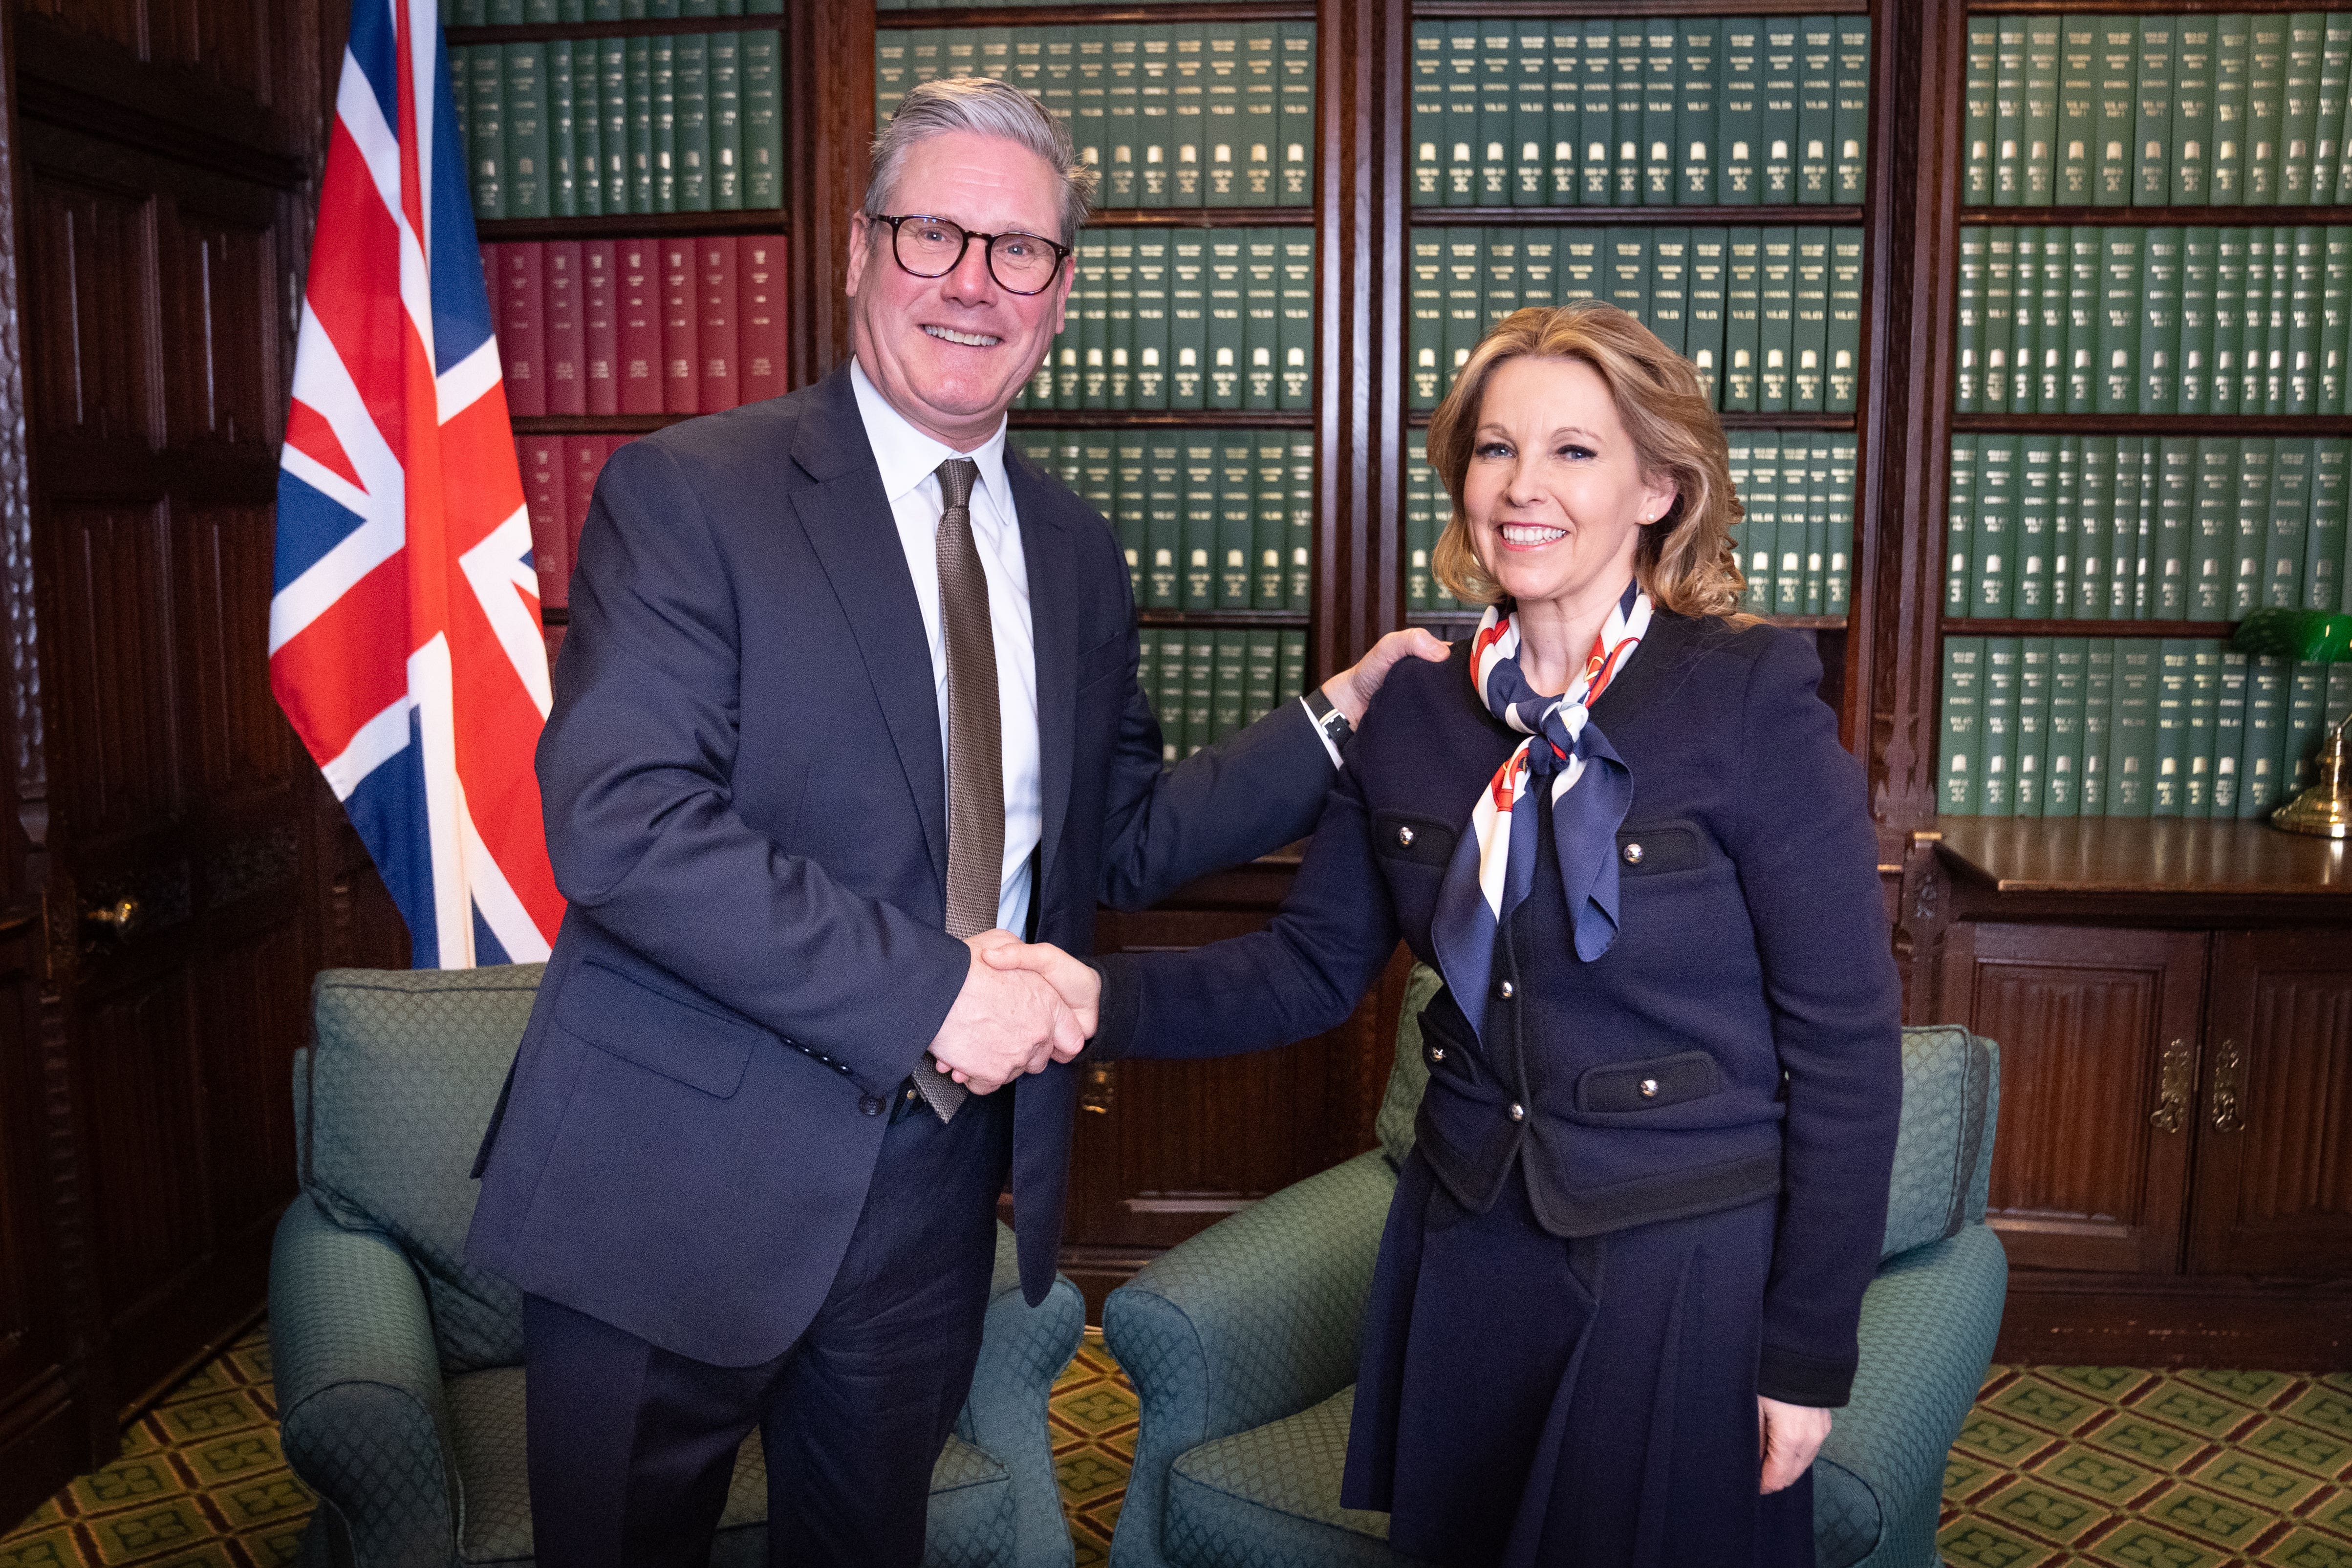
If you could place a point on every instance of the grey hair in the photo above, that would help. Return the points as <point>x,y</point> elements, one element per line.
<point>990,108</point>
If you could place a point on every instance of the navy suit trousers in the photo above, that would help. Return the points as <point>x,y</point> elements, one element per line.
<point>631,1446</point>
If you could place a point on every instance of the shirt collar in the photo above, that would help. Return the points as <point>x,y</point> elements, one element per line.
<point>906,456</point>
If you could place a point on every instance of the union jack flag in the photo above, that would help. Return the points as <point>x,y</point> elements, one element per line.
<point>405,637</point>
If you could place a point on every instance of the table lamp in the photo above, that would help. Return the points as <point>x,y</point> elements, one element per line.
<point>2315,637</point>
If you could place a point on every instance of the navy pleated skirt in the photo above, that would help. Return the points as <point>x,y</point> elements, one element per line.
<point>1539,1402</point>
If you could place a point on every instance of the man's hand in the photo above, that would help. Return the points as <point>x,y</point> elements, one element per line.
<point>1077,983</point>
<point>1352,689</point>
<point>1005,1022</point>
<point>1788,1436</point>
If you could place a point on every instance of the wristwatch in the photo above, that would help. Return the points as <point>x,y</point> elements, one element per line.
<point>1327,718</point>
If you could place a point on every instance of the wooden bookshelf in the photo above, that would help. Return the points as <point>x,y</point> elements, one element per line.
<point>626,226</point>
<point>2247,425</point>
<point>1661,217</point>
<point>2044,626</point>
<point>1087,15</point>
<point>2160,217</point>
<point>550,32</point>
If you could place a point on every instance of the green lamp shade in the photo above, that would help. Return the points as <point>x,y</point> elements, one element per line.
<point>2307,636</point>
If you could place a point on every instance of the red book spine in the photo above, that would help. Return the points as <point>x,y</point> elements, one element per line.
<point>492,281</point>
<point>641,332</point>
<point>583,458</point>
<point>522,327</point>
<point>759,291</point>
<point>715,336</point>
<point>681,311</point>
<point>567,351</point>
<point>600,323</point>
<point>543,490</point>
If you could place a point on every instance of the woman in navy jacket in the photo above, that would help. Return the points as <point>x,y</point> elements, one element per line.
<point>1620,1284</point>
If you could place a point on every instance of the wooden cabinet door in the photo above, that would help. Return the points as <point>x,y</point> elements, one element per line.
<point>2274,1192</point>
<point>2098,1036</point>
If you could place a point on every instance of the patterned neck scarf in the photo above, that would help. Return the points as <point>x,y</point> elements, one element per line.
<point>1591,790</point>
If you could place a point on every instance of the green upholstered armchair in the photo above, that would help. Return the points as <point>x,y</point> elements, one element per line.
<point>1242,1344</point>
<point>400,1382</point>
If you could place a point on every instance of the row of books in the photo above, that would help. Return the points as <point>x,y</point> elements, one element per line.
<point>1184,319</point>
<point>1208,520</point>
<point>2093,320</point>
<point>524,13</point>
<point>1203,685</point>
<point>1770,317</point>
<point>590,127</point>
<point>1185,114</point>
<point>2128,727</point>
<point>2156,110</point>
<point>1640,113</point>
<point>638,326</point>
<point>2100,527</point>
<point>559,480</point>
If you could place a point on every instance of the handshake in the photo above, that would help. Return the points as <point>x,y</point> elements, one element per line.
<point>1023,1005</point>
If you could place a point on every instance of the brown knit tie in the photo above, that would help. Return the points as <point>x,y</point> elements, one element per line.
<point>975,744</point>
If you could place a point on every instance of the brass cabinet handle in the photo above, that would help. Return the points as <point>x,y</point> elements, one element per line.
<point>2228,1084</point>
<point>1095,1089</point>
<point>2176,1077</point>
<point>117,919</point>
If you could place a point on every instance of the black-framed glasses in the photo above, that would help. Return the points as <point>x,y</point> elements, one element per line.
<point>933,247</point>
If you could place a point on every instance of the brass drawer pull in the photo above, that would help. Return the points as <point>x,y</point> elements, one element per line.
<point>2229,1085</point>
<point>116,919</point>
<point>2176,1077</point>
<point>1095,1089</point>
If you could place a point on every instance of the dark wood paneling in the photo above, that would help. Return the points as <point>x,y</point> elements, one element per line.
<point>2090,1170</point>
<point>240,743</point>
<point>116,761</point>
<point>91,293</point>
<point>2274,1167</point>
<point>253,998</point>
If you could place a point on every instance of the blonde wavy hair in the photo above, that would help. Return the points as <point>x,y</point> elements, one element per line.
<point>1685,560</point>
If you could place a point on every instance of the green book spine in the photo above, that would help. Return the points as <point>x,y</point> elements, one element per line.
<point>664,109</point>
<point>1294,99</point>
<point>587,127</point>
<point>2213,528</point>
<point>1816,108</point>
<point>1776,318</point>
<point>1187,115</point>
<point>1596,115</point>
<point>1843,355</point>
<point>1628,76</point>
<point>1146,671</point>
<point>1997,783</point>
<point>1200,691</point>
<point>2204,700</point>
<point>487,123</point>
<point>1540,269</point>
<point>2284,539</point>
<point>1743,307</point>
<point>1119,300</point>
<point>1089,319</point>
<point>2009,115</point>
<point>612,105</point>
<point>1465,325</point>
<point>1565,89</point>
<point>1968,385</point>
<point>1175,686</point>
<point>2334,316</point>
<point>2037,498</point>
<point>1461,144</point>
<point>2160,320</point>
<point>2279,322</point>
<point>2176,510</point>
<point>1223,154</point>
<point>1761,528</point>
<point>1963,707</point>
<point>1808,352</point>
<point>1499,276</point>
<point>2050,337</point>
<point>2061,767</point>
<point>2248,538</point>
<point>2303,332</point>
<point>1226,344</point>
<point>1695,124</point>
<point>1155,132</point>
<point>2152,113</point>
<point>1098,483</point>
<point>2093,516</point>
<point>2131,739</point>
<point>1992,540</point>
<point>2064,528</point>
<point>1291,678</point>
<point>1261,317</point>
<point>727,122</point>
<point>2039,154</point>
<point>1529,148</point>
<point>529,192</point>
<point>2306,706</point>
<point>1739,123</point>
<point>1497,95</point>
<point>2168,795</point>
<point>1852,127</point>
<point>2264,738</point>
<point>1187,318</point>
<point>1660,104</point>
<point>2118,76</point>
<point>2265,107</point>
<point>2226,183</point>
<point>2130,525</point>
<point>2000,316</point>
<point>1237,544</point>
<point>1789,550</point>
<point>2119,285</point>
<point>2032,725</point>
<point>2191,145</point>
<point>1420,536</point>
<point>1959,527</point>
<point>2255,314</point>
<point>1302,521</point>
<point>1778,112</point>
<point>1164,523</point>
<point>1231,694</point>
<point>1198,559</point>
<point>2299,121</point>
<point>2327,135</point>
<point>1258,139</point>
<point>1426,335</point>
<point>2323,554</point>
<point>2098,721</point>
<point>1703,339</point>
<point>563,180</point>
<point>693,133</point>
<point>1628,252</point>
<point>2195,354</point>
<point>1269,520</point>
<point>1147,345</point>
<point>641,125</point>
<point>1131,509</point>
<point>1106,93</point>
<point>1817,525</point>
<point>1977,117</point>
<point>2024,318</point>
<point>1295,336</point>
<point>2223,384</point>
<point>461,100</point>
<point>2229,732</point>
<point>1669,315</point>
<point>1264,657</point>
<point>2078,110</point>
<point>1428,66</point>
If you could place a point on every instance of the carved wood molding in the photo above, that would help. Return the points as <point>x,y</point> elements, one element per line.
<point>23,660</point>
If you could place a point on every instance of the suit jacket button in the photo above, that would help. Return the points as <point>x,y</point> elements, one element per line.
<point>1404,835</point>
<point>1517,1112</point>
<point>1436,1053</point>
<point>870,1104</point>
<point>1649,1088</point>
<point>1508,990</point>
<point>1632,854</point>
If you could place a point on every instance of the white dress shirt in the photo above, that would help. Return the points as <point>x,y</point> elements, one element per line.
<point>910,461</point>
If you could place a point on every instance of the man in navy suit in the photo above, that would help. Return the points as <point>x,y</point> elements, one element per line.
<point>846,685</point>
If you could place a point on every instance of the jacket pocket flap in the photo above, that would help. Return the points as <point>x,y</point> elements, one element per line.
<point>1657,848</point>
<point>1646,1085</point>
<point>1423,841</point>
<point>1104,659</point>
<point>657,1031</point>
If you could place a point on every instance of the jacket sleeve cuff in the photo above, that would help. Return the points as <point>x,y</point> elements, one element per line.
<point>1121,1001</point>
<point>1795,1378</point>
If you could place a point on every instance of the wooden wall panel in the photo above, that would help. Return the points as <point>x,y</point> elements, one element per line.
<point>253,1002</point>
<point>220,313</point>
<point>91,293</point>
<point>142,1094</point>
<point>111,667</point>
<point>240,741</point>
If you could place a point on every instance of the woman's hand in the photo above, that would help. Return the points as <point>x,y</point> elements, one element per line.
<point>1788,1436</point>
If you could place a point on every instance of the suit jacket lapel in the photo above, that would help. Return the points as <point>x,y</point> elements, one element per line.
<point>1053,600</point>
<point>849,525</point>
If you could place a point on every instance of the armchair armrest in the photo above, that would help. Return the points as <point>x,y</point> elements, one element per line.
<point>1022,1350</point>
<point>1254,1319</point>
<point>360,1410</point>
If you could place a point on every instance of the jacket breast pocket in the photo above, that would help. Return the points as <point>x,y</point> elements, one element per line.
<point>1401,837</point>
<point>650,1028</point>
<point>1101,661</point>
<point>1649,1085</point>
<point>1660,849</point>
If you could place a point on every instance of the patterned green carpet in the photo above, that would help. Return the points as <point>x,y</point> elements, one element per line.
<point>2058,1466</point>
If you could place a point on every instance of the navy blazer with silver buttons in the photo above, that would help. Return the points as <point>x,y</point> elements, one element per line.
<point>1741,1038</point>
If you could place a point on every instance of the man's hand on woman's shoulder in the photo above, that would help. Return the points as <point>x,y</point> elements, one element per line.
<point>1352,689</point>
